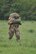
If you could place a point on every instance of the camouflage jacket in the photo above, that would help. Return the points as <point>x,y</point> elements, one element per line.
<point>14,18</point>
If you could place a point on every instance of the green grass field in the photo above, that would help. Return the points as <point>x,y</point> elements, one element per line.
<point>27,44</point>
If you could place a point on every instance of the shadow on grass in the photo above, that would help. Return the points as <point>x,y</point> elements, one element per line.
<point>0,51</point>
<point>4,45</point>
<point>31,30</point>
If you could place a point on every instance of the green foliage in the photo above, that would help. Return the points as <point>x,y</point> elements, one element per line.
<point>26,8</point>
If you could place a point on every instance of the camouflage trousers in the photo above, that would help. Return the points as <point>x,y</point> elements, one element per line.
<point>14,29</point>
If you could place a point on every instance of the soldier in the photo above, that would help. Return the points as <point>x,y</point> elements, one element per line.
<point>14,22</point>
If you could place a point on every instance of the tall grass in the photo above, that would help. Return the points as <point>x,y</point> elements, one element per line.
<point>27,44</point>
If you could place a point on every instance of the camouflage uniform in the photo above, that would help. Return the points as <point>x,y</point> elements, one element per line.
<point>14,26</point>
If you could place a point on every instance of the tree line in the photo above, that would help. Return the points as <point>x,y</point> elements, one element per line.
<point>26,9</point>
